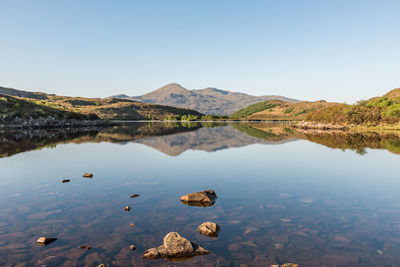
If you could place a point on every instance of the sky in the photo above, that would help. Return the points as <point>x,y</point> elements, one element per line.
<point>340,51</point>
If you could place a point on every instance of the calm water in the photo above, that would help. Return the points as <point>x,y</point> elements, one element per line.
<point>283,196</point>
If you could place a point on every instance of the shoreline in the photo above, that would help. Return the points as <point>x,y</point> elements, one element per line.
<point>51,123</point>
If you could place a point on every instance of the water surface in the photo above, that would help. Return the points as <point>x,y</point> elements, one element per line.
<point>283,196</point>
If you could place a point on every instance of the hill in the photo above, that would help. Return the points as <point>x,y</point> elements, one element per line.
<point>207,101</point>
<point>110,109</point>
<point>18,112</point>
<point>279,110</point>
<point>376,111</point>
<point>20,93</point>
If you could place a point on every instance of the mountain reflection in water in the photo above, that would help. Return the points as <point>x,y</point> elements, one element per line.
<point>283,195</point>
<point>174,138</point>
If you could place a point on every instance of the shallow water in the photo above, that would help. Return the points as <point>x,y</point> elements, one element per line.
<point>283,196</point>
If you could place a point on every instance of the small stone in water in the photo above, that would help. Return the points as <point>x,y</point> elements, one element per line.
<point>88,175</point>
<point>286,265</point>
<point>132,247</point>
<point>132,225</point>
<point>210,229</point>
<point>134,195</point>
<point>46,240</point>
<point>127,208</point>
<point>85,247</point>
<point>65,181</point>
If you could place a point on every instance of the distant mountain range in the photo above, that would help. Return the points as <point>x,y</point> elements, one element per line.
<point>206,101</point>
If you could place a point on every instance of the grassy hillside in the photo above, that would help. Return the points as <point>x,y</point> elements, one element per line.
<point>244,112</point>
<point>115,109</point>
<point>20,93</point>
<point>12,108</point>
<point>111,109</point>
<point>373,112</point>
<point>279,110</point>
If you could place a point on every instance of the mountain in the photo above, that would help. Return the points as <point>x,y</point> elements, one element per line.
<point>207,101</point>
<point>110,109</point>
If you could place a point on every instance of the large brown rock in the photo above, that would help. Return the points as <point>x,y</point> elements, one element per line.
<point>210,229</point>
<point>175,246</point>
<point>204,198</point>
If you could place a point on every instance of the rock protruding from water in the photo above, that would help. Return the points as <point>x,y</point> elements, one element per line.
<point>204,198</point>
<point>44,241</point>
<point>175,247</point>
<point>88,175</point>
<point>210,229</point>
<point>313,126</point>
<point>286,265</point>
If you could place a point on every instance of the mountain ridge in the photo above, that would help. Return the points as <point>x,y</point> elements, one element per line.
<point>209,100</point>
<point>103,108</point>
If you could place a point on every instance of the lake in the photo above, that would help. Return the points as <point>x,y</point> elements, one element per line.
<point>316,199</point>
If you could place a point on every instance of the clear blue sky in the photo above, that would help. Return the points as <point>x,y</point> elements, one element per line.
<point>334,50</point>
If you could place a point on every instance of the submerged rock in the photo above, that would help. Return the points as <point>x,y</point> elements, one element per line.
<point>85,247</point>
<point>65,181</point>
<point>175,247</point>
<point>204,198</point>
<point>286,265</point>
<point>88,175</point>
<point>134,195</point>
<point>44,241</point>
<point>127,208</point>
<point>210,229</point>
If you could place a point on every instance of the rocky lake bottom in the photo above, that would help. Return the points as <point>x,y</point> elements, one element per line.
<point>282,195</point>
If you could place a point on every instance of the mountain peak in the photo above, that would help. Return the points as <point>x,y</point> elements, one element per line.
<point>172,87</point>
